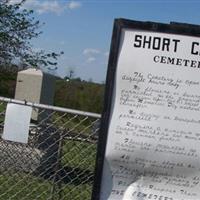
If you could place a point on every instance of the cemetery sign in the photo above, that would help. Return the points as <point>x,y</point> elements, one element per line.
<point>150,132</point>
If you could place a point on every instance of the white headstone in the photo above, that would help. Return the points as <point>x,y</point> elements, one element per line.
<point>35,86</point>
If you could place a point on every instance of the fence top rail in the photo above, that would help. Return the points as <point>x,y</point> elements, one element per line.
<point>48,107</point>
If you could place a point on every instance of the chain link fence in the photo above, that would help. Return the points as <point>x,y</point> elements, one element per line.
<point>58,161</point>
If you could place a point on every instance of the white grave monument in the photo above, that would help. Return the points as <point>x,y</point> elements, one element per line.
<point>35,86</point>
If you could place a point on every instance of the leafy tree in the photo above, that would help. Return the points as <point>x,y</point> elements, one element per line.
<point>17,28</point>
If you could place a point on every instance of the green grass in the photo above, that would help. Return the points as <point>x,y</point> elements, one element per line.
<point>19,186</point>
<point>81,192</point>
<point>78,124</point>
<point>2,108</point>
<point>79,155</point>
<point>75,155</point>
<point>86,96</point>
<point>16,187</point>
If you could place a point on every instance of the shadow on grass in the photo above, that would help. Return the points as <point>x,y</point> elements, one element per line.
<point>67,175</point>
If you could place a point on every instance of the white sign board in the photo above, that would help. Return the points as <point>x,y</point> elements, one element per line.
<point>152,150</point>
<point>17,121</point>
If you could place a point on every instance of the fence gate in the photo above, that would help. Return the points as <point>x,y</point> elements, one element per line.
<point>58,161</point>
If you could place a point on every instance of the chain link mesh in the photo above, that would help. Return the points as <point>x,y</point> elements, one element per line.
<point>58,161</point>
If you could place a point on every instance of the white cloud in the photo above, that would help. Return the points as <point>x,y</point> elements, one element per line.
<point>90,51</point>
<point>91,59</point>
<point>74,5</point>
<point>37,49</point>
<point>48,6</point>
<point>14,1</point>
<point>95,55</point>
<point>62,43</point>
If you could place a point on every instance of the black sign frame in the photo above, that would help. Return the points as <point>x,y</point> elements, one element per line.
<point>119,25</point>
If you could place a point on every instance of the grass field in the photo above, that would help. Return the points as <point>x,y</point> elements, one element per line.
<point>16,187</point>
<point>2,108</point>
<point>77,161</point>
<point>79,154</point>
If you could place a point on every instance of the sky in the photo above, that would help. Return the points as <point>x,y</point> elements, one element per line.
<point>83,29</point>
